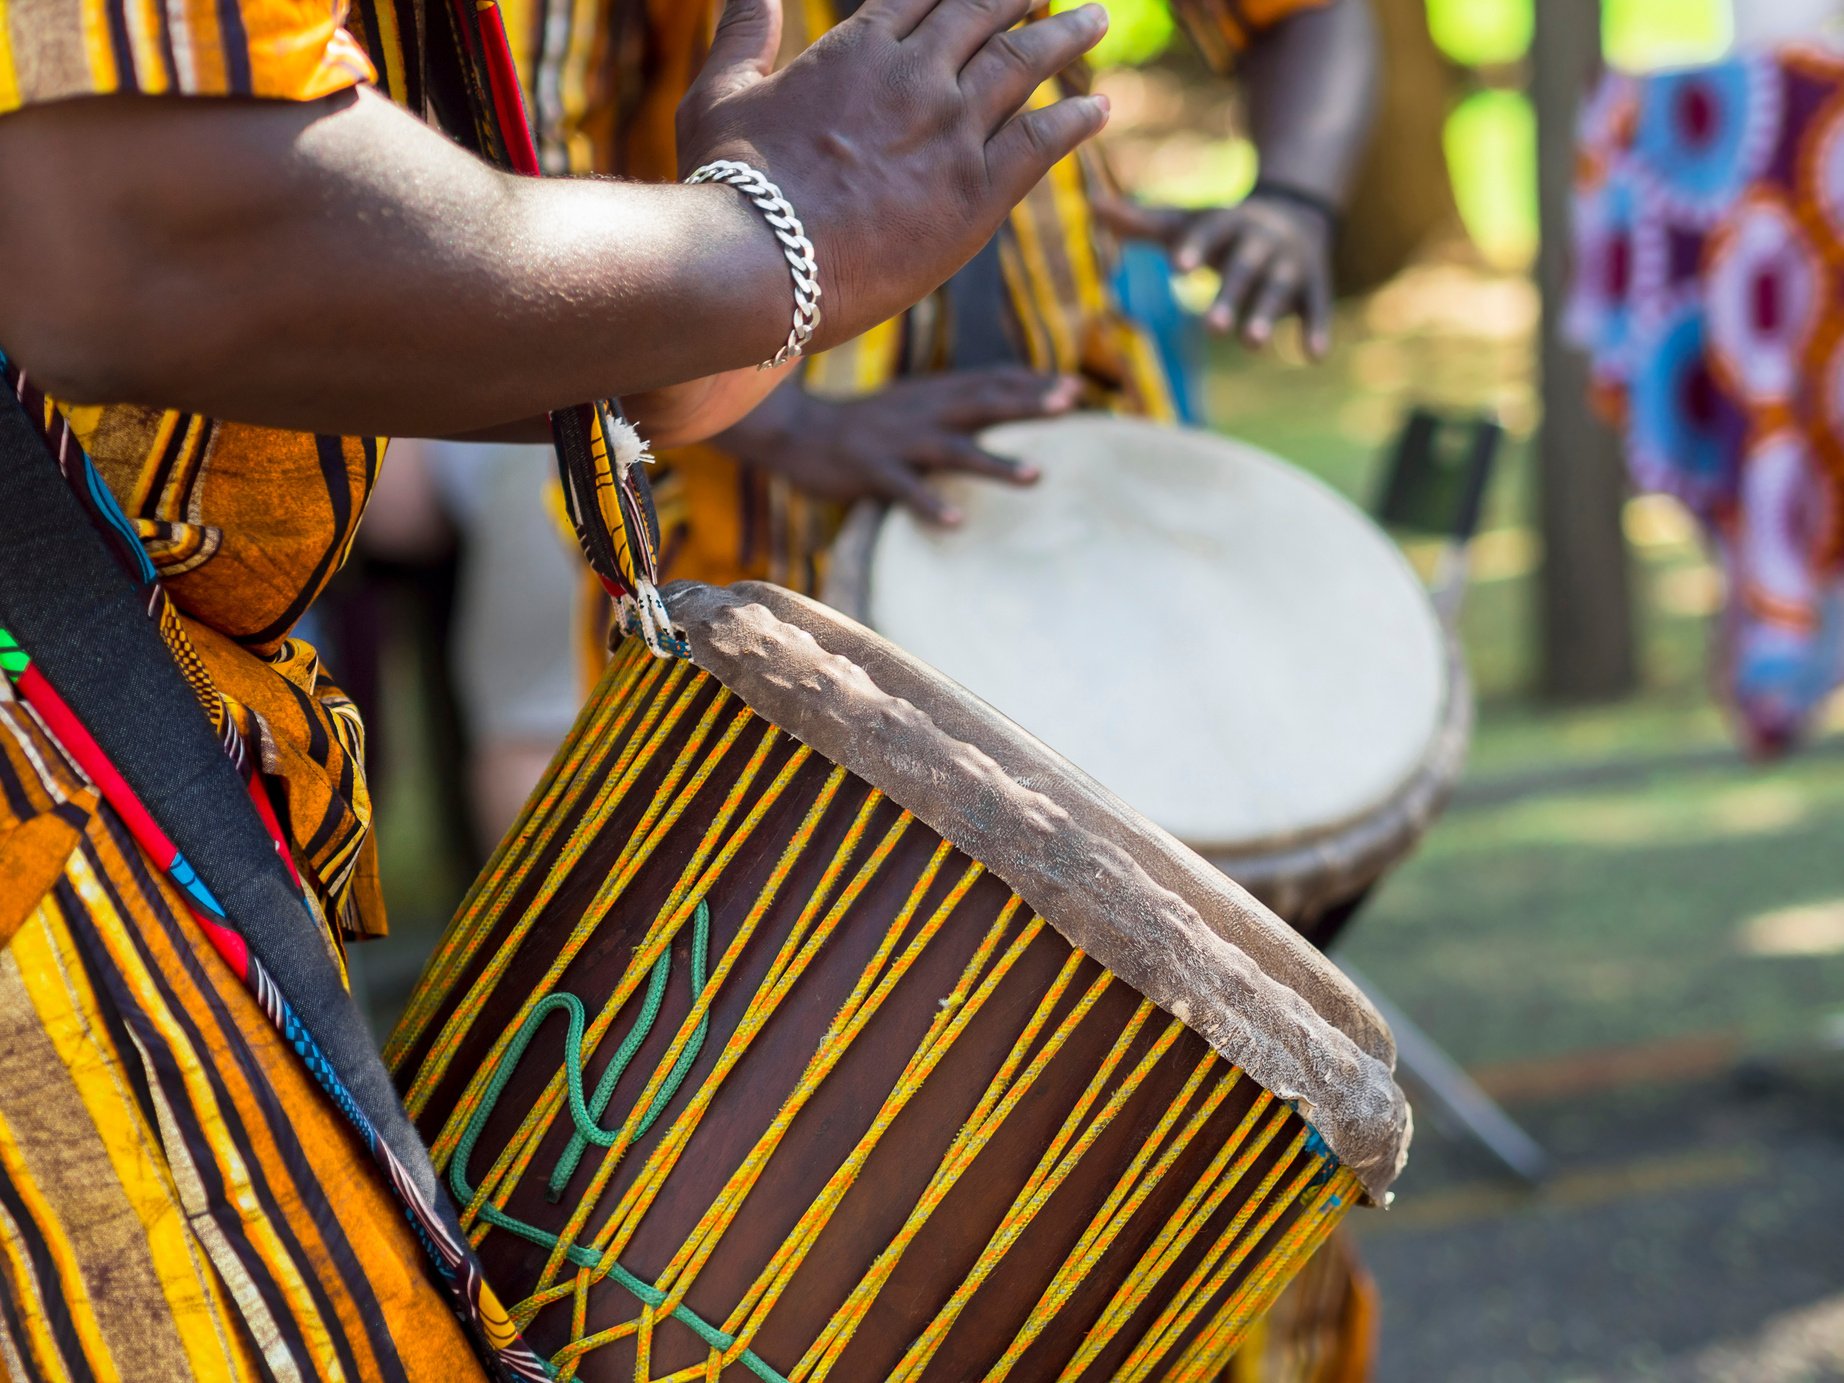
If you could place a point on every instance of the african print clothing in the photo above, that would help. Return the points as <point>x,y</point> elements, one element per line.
<point>603,82</point>
<point>293,50</point>
<point>179,1198</point>
<point>1710,277</point>
<point>245,525</point>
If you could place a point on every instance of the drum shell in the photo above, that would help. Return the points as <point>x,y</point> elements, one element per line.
<point>581,937</point>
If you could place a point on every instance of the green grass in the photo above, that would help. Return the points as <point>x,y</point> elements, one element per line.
<point>1605,918</point>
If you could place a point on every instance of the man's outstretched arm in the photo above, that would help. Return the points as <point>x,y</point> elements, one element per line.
<point>336,266</point>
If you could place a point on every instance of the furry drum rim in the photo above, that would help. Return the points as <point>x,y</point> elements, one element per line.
<point>817,1023</point>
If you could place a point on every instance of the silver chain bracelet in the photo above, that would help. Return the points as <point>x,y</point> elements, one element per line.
<point>794,244</point>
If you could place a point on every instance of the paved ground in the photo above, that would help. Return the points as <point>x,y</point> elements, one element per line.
<point>1689,1232</point>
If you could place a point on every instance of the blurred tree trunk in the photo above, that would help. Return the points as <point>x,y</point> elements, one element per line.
<point>1585,586</point>
<point>1403,196</point>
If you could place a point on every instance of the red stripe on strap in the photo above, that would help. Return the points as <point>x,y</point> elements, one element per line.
<point>64,726</point>
<point>265,809</point>
<point>227,944</point>
<point>508,96</point>
<point>69,732</point>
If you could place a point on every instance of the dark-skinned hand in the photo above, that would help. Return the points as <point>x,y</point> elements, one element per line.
<point>1274,255</point>
<point>897,137</point>
<point>883,445</point>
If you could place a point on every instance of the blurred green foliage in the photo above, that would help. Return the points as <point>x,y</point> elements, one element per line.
<point>1635,33</point>
<point>1657,33</point>
<point>1138,31</point>
<point>1475,33</point>
<point>1482,33</point>
<point>1492,154</point>
<point>1491,137</point>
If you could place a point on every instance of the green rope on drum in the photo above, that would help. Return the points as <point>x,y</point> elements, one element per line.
<point>589,1119</point>
<point>586,1115</point>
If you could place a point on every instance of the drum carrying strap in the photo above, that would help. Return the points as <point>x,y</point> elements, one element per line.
<point>76,639</point>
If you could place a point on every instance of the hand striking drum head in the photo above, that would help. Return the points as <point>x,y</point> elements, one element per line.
<point>1226,643</point>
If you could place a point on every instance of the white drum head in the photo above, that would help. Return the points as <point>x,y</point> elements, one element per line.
<point>1229,645</point>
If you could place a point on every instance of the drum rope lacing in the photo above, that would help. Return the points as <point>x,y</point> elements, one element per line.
<point>647,718</point>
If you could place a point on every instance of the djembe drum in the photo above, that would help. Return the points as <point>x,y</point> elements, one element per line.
<point>1227,643</point>
<point>816,1022</point>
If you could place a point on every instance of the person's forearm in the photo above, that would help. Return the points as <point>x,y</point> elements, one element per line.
<point>705,409</point>
<point>1312,92</point>
<point>336,266</point>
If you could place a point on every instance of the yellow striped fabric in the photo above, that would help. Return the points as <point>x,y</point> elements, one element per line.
<point>177,1200</point>
<point>245,525</point>
<point>292,49</point>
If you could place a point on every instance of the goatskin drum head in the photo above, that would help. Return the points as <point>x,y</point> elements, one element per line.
<point>1229,645</point>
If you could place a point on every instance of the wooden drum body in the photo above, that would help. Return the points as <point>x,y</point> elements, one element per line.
<point>1225,642</point>
<point>817,1023</point>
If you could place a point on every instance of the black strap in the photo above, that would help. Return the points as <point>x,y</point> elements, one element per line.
<point>80,618</point>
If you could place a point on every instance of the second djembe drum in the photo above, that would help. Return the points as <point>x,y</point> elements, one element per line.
<point>1234,648</point>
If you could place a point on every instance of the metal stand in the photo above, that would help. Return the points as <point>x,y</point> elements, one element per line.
<point>1431,490</point>
<point>1457,1097</point>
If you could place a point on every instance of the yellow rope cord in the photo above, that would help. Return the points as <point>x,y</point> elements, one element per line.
<point>657,725</point>
<point>1123,1203</point>
<point>1207,1278</point>
<point>768,1287</point>
<point>1221,1178</point>
<point>1303,1240</point>
<point>675,730</point>
<point>1054,1167</point>
<point>665,810</point>
<point>1210,1349</point>
<point>771,890</point>
<point>633,687</point>
<point>697,1249</point>
<point>679,907</point>
<point>977,984</point>
<point>1007,1087</point>
<point>791,961</point>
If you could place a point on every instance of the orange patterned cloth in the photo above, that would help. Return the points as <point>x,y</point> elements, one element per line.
<point>178,1199</point>
<point>245,525</point>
